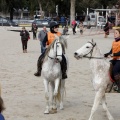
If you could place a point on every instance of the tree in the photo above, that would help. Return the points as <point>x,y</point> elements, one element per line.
<point>72,10</point>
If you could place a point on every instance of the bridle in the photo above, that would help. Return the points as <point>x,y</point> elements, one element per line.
<point>56,48</point>
<point>91,52</point>
<point>56,51</point>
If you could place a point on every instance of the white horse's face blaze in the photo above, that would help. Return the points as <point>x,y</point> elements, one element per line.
<point>85,49</point>
<point>58,51</point>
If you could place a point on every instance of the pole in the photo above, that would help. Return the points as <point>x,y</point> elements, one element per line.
<point>57,9</point>
<point>106,16</point>
<point>87,17</point>
<point>116,19</point>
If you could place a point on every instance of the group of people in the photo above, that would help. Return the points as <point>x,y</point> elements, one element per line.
<point>46,38</point>
<point>74,25</point>
<point>25,36</point>
<point>114,52</point>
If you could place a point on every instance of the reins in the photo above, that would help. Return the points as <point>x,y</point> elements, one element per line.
<point>94,57</point>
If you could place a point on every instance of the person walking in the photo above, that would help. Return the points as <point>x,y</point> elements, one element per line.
<point>1,109</point>
<point>49,38</point>
<point>115,62</point>
<point>106,29</point>
<point>34,30</point>
<point>74,24</point>
<point>41,37</point>
<point>24,39</point>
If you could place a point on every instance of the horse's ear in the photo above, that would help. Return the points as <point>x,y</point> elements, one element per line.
<point>92,40</point>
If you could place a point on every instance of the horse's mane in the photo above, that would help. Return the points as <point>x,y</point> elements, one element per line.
<point>63,42</point>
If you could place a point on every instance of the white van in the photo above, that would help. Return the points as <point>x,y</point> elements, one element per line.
<point>94,20</point>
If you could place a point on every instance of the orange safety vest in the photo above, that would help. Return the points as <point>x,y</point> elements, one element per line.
<point>51,37</point>
<point>115,49</point>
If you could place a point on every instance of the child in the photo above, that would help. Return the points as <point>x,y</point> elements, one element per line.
<point>81,28</point>
<point>115,54</point>
<point>65,30</point>
<point>1,109</point>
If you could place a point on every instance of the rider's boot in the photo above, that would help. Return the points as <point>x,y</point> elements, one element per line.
<point>39,66</point>
<point>110,69</point>
<point>117,80</point>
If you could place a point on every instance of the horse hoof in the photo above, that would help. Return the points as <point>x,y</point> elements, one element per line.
<point>46,112</point>
<point>53,111</point>
<point>61,108</point>
<point>111,119</point>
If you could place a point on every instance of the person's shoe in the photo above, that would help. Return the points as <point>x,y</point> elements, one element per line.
<point>25,50</point>
<point>37,74</point>
<point>64,75</point>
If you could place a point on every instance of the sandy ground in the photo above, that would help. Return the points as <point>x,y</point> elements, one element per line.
<point>23,93</point>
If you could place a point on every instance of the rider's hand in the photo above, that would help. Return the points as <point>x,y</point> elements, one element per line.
<point>106,55</point>
<point>46,46</point>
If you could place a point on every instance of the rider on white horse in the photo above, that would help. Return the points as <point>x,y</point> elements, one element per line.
<point>115,62</point>
<point>49,38</point>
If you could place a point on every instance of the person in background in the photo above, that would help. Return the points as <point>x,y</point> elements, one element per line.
<point>115,62</point>
<point>24,39</point>
<point>74,24</point>
<point>41,37</point>
<point>62,21</point>
<point>65,30</point>
<point>106,29</point>
<point>81,28</point>
<point>34,30</point>
<point>1,109</point>
<point>49,38</point>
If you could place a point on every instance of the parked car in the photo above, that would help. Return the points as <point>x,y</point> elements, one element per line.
<point>5,22</point>
<point>41,23</point>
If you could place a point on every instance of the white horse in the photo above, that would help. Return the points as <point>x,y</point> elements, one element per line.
<point>51,72</point>
<point>100,69</point>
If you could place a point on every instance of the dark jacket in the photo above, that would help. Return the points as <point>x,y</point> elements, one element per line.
<point>24,35</point>
<point>34,28</point>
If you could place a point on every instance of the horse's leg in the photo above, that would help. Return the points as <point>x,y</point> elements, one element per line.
<point>106,109</point>
<point>46,84</point>
<point>57,81</point>
<point>62,89</point>
<point>52,95</point>
<point>53,102</point>
<point>98,98</point>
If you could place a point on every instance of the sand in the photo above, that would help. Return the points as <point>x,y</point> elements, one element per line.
<point>23,93</point>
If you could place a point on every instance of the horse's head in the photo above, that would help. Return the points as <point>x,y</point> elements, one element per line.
<point>85,50</point>
<point>58,49</point>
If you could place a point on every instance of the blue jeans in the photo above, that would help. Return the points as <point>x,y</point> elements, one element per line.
<point>42,47</point>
